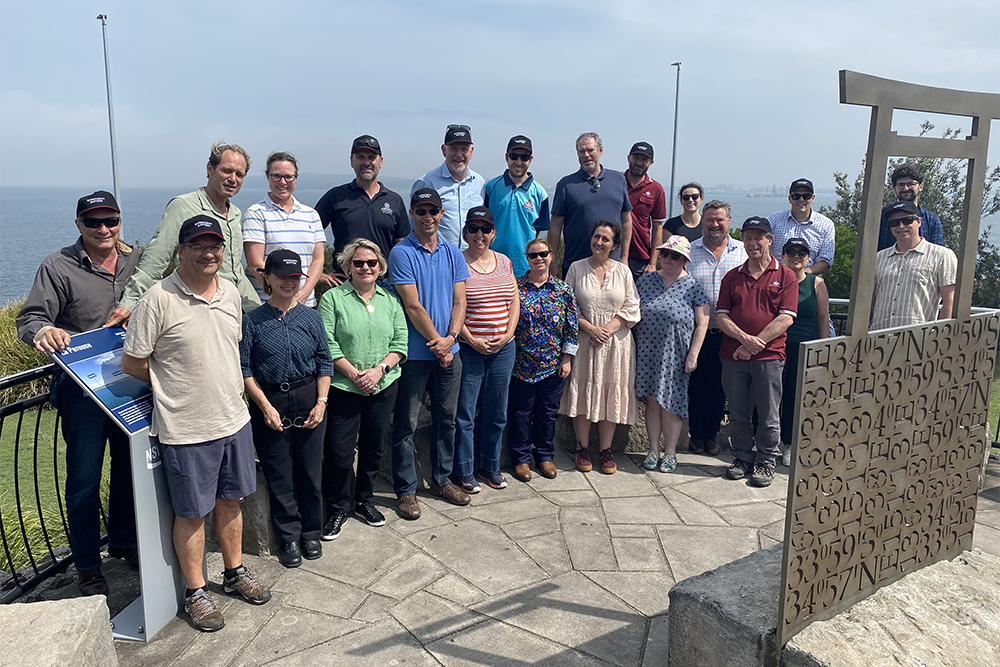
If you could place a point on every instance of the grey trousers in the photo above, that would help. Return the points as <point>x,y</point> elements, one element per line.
<point>749,385</point>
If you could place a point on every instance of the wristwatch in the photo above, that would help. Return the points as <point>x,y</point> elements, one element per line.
<point>385,369</point>
<point>454,335</point>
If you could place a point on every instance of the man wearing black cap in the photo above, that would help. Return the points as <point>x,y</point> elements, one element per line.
<point>183,338</point>
<point>74,291</point>
<point>519,203</point>
<point>757,303</point>
<point>908,184</point>
<point>914,278</point>
<point>649,210</point>
<point>460,187</point>
<point>363,208</point>
<point>801,221</point>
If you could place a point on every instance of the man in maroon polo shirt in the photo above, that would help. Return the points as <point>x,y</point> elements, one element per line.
<point>757,303</point>
<point>649,211</point>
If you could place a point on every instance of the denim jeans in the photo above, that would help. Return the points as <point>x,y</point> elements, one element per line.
<point>749,385</point>
<point>533,411</point>
<point>485,380</point>
<point>85,428</point>
<point>443,385</point>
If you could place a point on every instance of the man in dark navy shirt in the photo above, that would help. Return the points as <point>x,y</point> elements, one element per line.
<point>363,208</point>
<point>908,183</point>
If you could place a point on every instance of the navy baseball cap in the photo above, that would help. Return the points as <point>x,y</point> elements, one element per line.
<point>96,200</point>
<point>643,148</point>
<point>519,141</point>
<point>457,134</point>
<point>903,207</point>
<point>757,223</point>
<point>198,226</point>
<point>426,196</point>
<point>795,241</point>
<point>479,213</point>
<point>284,262</point>
<point>366,141</point>
<point>801,183</point>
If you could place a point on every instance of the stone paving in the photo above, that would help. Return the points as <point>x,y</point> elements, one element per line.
<point>569,571</point>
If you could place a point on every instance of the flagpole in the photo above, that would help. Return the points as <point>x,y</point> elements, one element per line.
<point>103,18</point>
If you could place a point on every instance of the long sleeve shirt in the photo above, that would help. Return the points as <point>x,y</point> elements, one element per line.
<point>547,328</point>
<point>280,348</point>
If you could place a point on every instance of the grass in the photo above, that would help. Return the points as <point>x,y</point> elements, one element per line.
<point>15,356</point>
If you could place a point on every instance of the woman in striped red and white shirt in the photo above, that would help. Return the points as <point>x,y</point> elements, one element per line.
<point>487,353</point>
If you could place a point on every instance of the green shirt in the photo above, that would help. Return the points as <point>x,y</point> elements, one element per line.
<point>363,333</point>
<point>160,257</point>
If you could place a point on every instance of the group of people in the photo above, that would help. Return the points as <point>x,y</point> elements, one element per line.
<point>456,297</point>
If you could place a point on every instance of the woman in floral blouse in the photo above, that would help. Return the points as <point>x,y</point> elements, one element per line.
<point>546,339</point>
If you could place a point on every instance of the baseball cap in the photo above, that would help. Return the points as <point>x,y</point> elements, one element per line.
<point>519,141</point>
<point>795,241</point>
<point>801,183</point>
<point>198,226</point>
<point>366,141</point>
<point>678,244</point>
<point>643,148</point>
<point>284,262</point>
<point>96,200</point>
<point>904,207</point>
<point>757,223</point>
<point>456,134</point>
<point>426,196</point>
<point>479,213</point>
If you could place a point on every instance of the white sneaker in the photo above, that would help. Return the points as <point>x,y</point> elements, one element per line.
<point>786,456</point>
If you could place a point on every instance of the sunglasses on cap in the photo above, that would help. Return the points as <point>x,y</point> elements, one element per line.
<point>358,263</point>
<point>796,251</point>
<point>95,223</point>
<point>908,220</point>
<point>690,197</point>
<point>522,157</point>
<point>433,210</point>
<point>459,127</point>
<point>800,195</point>
<point>670,254</point>
<point>485,228</point>
<point>541,253</point>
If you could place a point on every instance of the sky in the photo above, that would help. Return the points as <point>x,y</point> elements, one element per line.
<point>759,98</point>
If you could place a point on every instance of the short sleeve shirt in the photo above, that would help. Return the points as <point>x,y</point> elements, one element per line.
<point>350,214</point>
<point>649,206</point>
<point>908,284</point>
<point>582,206</point>
<point>520,212</point>
<point>752,303</point>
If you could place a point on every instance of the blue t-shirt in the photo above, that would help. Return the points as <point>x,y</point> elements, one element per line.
<point>582,206</point>
<point>434,274</point>
<point>520,212</point>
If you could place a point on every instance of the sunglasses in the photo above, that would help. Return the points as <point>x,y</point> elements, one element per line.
<point>459,127</point>
<point>908,220</point>
<point>95,223</point>
<point>485,228</point>
<point>541,253</point>
<point>800,195</point>
<point>673,255</point>
<point>426,211</point>
<point>522,157</point>
<point>358,263</point>
<point>595,184</point>
<point>801,252</point>
<point>298,422</point>
<point>690,197</point>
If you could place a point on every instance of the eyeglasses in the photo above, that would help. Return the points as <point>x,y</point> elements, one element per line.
<point>459,127</point>
<point>522,157</point>
<point>358,263</point>
<point>95,223</point>
<point>595,184</point>
<point>298,422</point>
<point>485,228</point>
<point>690,197</point>
<point>541,253</point>
<point>673,255</point>
<point>801,252</point>
<point>906,185</point>
<point>205,249</point>
<point>426,211</point>
<point>801,195</point>
<point>908,220</point>
<point>277,178</point>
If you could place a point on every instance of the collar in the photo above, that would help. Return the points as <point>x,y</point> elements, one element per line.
<point>771,266</point>
<point>353,185</point>
<point>347,286</point>
<point>523,280</point>
<point>584,176</point>
<point>415,242</point>
<point>220,287</point>
<point>811,220</point>
<point>646,180</point>
<point>273,204</point>
<point>83,259</point>
<point>510,183</point>
<point>444,173</point>
<point>208,205</point>
<point>731,244</point>
<point>920,248</point>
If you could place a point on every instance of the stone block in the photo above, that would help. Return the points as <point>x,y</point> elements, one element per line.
<point>259,538</point>
<point>75,632</point>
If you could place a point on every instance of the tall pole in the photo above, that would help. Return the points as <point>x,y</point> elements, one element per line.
<point>673,158</point>
<point>103,18</point>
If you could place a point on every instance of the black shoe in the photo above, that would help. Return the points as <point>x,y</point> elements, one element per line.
<point>93,583</point>
<point>331,530</point>
<point>312,549</point>
<point>130,556</point>
<point>290,556</point>
<point>366,510</point>
<point>712,447</point>
<point>738,469</point>
<point>763,474</point>
<point>696,445</point>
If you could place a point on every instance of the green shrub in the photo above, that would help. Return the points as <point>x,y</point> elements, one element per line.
<point>15,357</point>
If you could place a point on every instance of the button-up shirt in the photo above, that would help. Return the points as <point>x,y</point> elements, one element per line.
<point>547,328</point>
<point>908,284</point>
<point>818,231</point>
<point>285,347</point>
<point>709,271</point>
<point>457,197</point>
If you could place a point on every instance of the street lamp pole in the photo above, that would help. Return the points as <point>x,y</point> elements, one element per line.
<point>673,159</point>
<point>103,18</point>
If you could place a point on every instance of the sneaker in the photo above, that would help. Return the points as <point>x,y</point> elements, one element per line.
<point>204,614</point>
<point>696,445</point>
<point>583,463</point>
<point>331,530</point>
<point>369,513</point>
<point>608,466</point>
<point>246,585</point>
<point>738,469</point>
<point>668,463</point>
<point>786,456</point>
<point>652,460</point>
<point>494,479</point>
<point>763,474</point>
<point>467,483</point>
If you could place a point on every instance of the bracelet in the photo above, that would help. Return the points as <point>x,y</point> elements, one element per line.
<point>322,399</point>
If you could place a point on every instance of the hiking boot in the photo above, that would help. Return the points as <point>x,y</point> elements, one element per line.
<point>608,466</point>
<point>93,583</point>
<point>668,463</point>
<point>547,468</point>
<point>738,469</point>
<point>522,472</point>
<point>494,479</point>
<point>408,508</point>
<point>331,530</point>
<point>763,474</point>
<point>369,513</point>
<point>696,445</point>
<point>712,447</point>
<point>467,483</point>
<point>246,585</point>
<point>204,614</point>
<point>652,460</point>
<point>451,493</point>
<point>583,463</point>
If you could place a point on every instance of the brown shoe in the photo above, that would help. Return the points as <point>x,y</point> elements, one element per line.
<point>712,447</point>
<point>548,469</point>
<point>608,466</point>
<point>583,463</point>
<point>408,508</point>
<point>451,493</point>
<point>522,472</point>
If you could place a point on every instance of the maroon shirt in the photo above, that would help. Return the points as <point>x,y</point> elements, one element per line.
<point>752,303</point>
<point>649,202</point>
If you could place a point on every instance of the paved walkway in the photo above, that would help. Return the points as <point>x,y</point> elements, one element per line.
<point>569,571</point>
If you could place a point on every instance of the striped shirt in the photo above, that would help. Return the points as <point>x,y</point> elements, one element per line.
<point>908,284</point>
<point>488,297</point>
<point>709,271</point>
<point>266,222</point>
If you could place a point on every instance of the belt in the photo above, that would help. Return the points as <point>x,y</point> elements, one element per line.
<point>287,386</point>
<point>715,331</point>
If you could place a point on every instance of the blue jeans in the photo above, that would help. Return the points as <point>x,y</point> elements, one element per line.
<point>86,428</point>
<point>485,379</point>
<point>533,412</point>
<point>750,385</point>
<point>444,386</point>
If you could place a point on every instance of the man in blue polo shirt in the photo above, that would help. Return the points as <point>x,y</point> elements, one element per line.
<point>429,275</point>
<point>908,183</point>
<point>460,187</point>
<point>593,193</point>
<point>519,204</point>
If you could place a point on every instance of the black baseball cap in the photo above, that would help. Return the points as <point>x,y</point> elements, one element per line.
<point>456,134</point>
<point>479,213</point>
<point>366,141</point>
<point>795,241</point>
<point>284,262</point>
<point>96,200</point>
<point>904,207</point>
<point>801,183</point>
<point>643,148</point>
<point>198,226</point>
<point>519,141</point>
<point>757,223</point>
<point>426,196</point>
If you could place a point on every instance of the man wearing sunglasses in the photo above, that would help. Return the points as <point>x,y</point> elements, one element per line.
<point>460,187</point>
<point>649,211</point>
<point>74,291</point>
<point>908,184</point>
<point>801,221</point>
<point>914,278</point>
<point>519,204</point>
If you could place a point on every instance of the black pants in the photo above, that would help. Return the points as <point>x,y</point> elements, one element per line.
<point>292,461</point>
<point>533,410</point>
<point>788,382</point>
<point>355,420</point>
<point>706,398</point>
